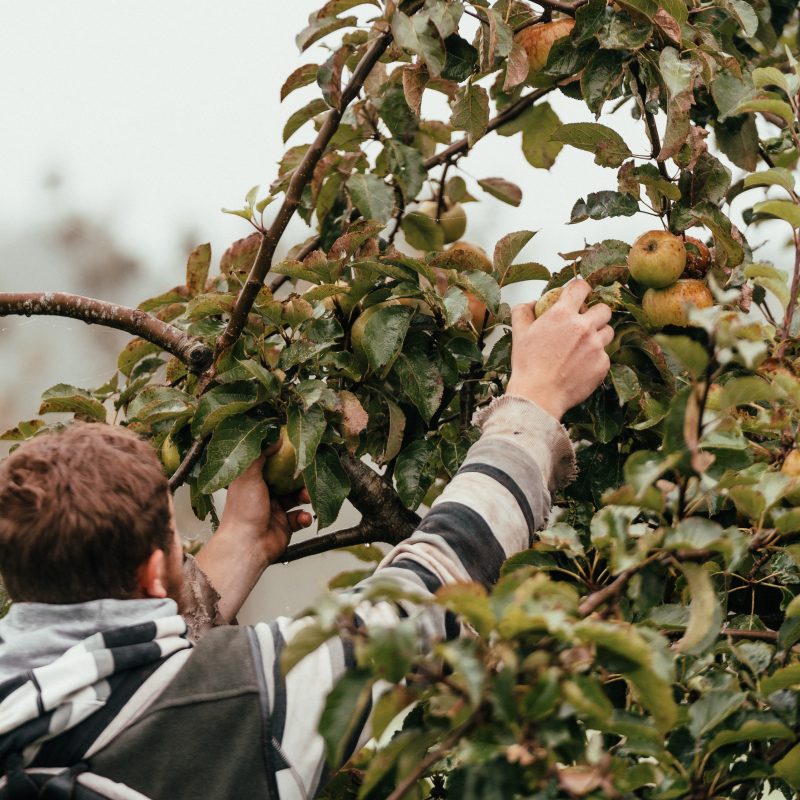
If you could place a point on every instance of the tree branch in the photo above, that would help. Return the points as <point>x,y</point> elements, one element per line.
<point>299,179</point>
<point>363,533</point>
<point>191,351</point>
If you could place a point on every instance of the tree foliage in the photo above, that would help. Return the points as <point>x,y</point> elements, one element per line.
<point>646,646</point>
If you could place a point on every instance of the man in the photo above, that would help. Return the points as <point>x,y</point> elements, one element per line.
<point>111,678</point>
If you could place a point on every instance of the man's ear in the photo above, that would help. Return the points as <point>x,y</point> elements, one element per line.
<point>150,576</point>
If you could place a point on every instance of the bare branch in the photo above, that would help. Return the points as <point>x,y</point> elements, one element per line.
<point>189,460</point>
<point>191,351</point>
<point>363,533</point>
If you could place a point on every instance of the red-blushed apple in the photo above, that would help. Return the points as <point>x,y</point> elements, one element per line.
<point>537,40</point>
<point>656,259</point>
<point>670,306</point>
<point>452,221</point>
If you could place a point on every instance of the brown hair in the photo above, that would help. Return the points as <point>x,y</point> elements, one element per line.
<point>80,511</point>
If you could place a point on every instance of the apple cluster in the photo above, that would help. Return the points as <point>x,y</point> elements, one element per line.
<point>671,270</point>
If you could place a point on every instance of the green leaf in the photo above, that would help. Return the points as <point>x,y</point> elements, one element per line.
<point>756,728</point>
<point>65,398</point>
<point>407,166</point>
<point>744,15</point>
<point>601,78</point>
<point>345,707</point>
<point>327,484</point>
<point>705,612</point>
<point>421,380</point>
<point>783,678</point>
<point>23,430</point>
<point>777,176</point>
<point>788,768</point>
<point>502,189</point>
<point>768,104</point>
<point>461,60</point>
<point>319,28</point>
<point>305,429</point>
<point>623,32</point>
<point>529,271</point>
<point>372,196</point>
<point>691,355</point>
<point>385,333</point>
<point>197,268</point>
<point>782,209</point>
<point>483,286</point>
<point>308,639</point>
<point>419,36</point>
<point>234,445</point>
<point>302,76</point>
<point>133,353</point>
<point>600,205</point>
<point>608,146</point>
<point>712,708</point>
<point>539,146</point>
<point>415,470</point>
<point>626,384</point>
<point>643,468</point>
<point>471,112</point>
<point>508,248</point>
<point>422,232</point>
<point>222,402</point>
<point>155,403</point>
<point>303,115</point>
<point>589,18</point>
<point>635,657</point>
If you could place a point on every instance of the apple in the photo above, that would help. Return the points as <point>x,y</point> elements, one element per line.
<point>791,467</point>
<point>359,326</point>
<point>656,259</point>
<point>537,40</point>
<point>170,455</point>
<point>698,258</point>
<point>279,468</point>
<point>549,299</point>
<point>479,258</point>
<point>452,221</point>
<point>670,306</point>
<point>475,306</point>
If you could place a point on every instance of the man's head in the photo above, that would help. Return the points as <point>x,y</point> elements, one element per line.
<point>85,514</point>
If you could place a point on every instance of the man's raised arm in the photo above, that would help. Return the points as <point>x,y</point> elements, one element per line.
<point>489,511</point>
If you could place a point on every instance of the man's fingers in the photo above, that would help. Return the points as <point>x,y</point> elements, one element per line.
<point>299,498</point>
<point>574,294</point>
<point>606,335</point>
<point>299,519</point>
<point>522,314</point>
<point>598,315</point>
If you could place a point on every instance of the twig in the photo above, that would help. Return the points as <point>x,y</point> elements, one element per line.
<point>191,351</point>
<point>185,467</point>
<point>433,756</point>
<point>363,533</point>
<point>793,292</point>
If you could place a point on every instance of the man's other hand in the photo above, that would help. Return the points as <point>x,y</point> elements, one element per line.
<point>558,360</point>
<point>253,533</point>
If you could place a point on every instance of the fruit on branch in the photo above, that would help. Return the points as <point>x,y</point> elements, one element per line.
<point>549,299</point>
<point>670,306</point>
<point>359,326</point>
<point>479,258</point>
<point>537,40</point>
<point>698,258</point>
<point>452,221</point>
<point>170,455</point>
<point>791,467</point>
<point>475,306</point>
<point>279,468</point>
<point>656,259</point>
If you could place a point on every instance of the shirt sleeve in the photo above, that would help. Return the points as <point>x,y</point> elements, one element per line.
<point>487,513</point>
<point>199,600</point>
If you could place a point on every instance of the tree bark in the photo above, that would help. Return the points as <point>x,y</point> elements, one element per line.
<point>192,352</point>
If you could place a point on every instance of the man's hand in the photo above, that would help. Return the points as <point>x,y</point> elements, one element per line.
<point>253,533</point>
<point>558,360</point>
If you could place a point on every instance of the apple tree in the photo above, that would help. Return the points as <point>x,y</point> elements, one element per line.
<point>647,645</point>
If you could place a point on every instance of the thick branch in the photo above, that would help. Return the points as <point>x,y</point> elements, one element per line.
<point>378,503</point>
<point>192,352</point>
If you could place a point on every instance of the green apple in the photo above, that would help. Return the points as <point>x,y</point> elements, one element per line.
<point>671,306</point>
<point>170,455</point>
<point>538,40</point>
<point>791,467</point>
<point>360,325</point>
<point>280,466</point>
<point>549,299</point>
<point>453,219</point>
<point>656,259</point>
